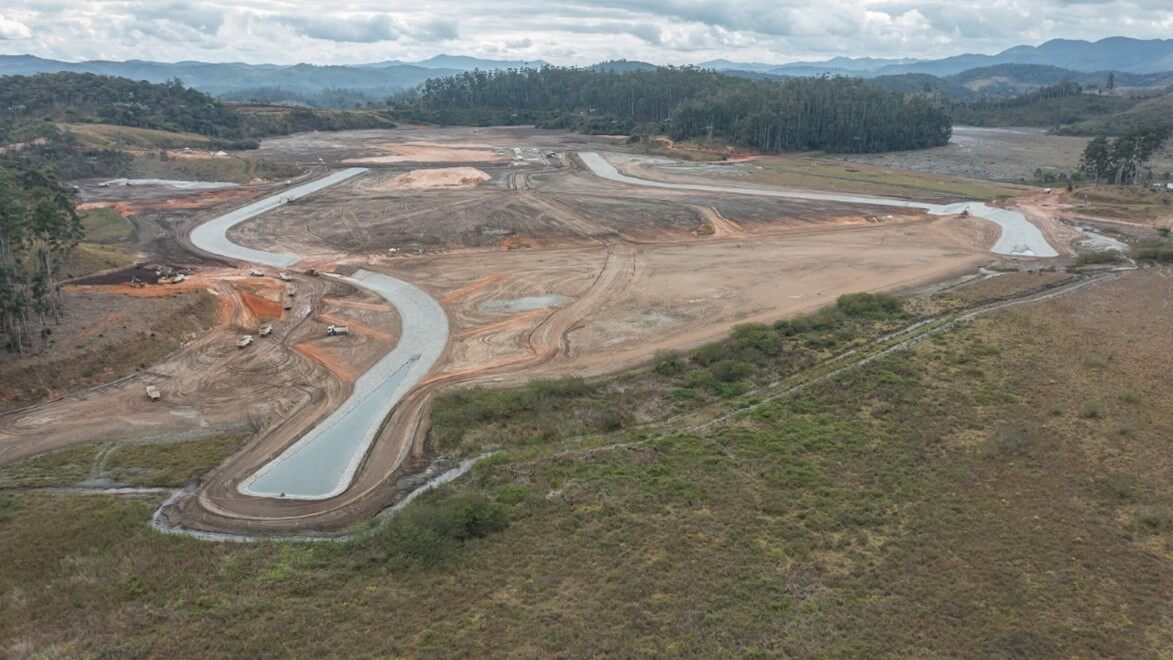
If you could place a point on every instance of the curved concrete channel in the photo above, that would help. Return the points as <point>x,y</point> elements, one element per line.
<point>1018,236</point>
<point>322,463</point>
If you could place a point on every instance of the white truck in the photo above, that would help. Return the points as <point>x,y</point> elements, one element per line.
<point>245,341</point>
<point>333,330</point>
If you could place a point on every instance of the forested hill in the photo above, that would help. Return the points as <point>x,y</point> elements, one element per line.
<point>26,102</point>
<point>84,97</point>
<point>829,114</point>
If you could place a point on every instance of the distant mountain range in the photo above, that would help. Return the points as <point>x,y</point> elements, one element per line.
<point>1135,60</point>
<point>374,79</point>
<point>1112,54</point>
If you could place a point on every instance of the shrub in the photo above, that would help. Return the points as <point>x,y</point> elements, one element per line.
<point>756,337</point>
<point>876,306</point>
<point>1092,410</point>
<point>431,531</point>
<point>729,371</point>
<point>1155,517</point>
<point>1160,251</point>
<point>1095,257</point>
<point>668,363</point>
<point>710,353</point>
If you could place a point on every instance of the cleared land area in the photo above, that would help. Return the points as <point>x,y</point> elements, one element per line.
<point>826,522</point>
<point>543,270</point>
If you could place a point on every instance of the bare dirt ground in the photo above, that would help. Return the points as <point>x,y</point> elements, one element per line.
<point>997,154</point>
<point>444,177</point>
<point>544,270</point>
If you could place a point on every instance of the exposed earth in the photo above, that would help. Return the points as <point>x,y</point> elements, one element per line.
<point>542,268</point>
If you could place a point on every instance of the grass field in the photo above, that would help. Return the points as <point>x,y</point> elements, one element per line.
<point>109,136</point>
<point>104,225</point>
<point>998,491</point>
<point>1132,203</point>
<point>89,258</point>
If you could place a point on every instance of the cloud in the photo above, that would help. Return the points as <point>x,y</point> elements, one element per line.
<point>200,18</point>
<point>579,32</point>
<point>11,30</point>
<point>368,29</point>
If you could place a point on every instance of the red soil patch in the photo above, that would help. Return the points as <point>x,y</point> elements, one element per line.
<point>328,358</point>
<point>260,307</point>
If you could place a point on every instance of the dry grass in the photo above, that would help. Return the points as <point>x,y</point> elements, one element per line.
<point>947,502</point>
<point>109,136</point>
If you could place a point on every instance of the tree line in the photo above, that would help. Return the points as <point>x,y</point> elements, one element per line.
<point>1124,159</point>
<point>85,97</point>
<point>38,229</point>
<point>831,114</point>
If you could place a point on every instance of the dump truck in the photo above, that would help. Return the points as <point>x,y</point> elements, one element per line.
<point>266,330</point>
<point>290,290</point>
<point>333,330</point>
<point>153,393</point>
<point>256,272</point>
<point>283,276</point>
<point>245,341</point>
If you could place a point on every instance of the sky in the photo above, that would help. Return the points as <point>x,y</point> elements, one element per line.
<point>659,31</point>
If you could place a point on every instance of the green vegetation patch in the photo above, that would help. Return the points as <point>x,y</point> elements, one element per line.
<point>167,464</point>
<point>104,225</point>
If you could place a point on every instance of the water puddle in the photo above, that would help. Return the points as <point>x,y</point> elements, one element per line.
<point>525,304</point>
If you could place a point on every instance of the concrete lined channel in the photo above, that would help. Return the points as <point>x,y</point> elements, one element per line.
<point>1018,236</point>
<point>322,463</point>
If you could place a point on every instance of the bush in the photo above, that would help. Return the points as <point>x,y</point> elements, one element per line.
<point>710,353</point>
<point>1160,251</point>
<point>1092,410</point>
<point>875,306</point>
<point>756,337</point>
<point>1096,257</point>
<point>667,363</point>
<point>431,531</point>
<point>730,371</point>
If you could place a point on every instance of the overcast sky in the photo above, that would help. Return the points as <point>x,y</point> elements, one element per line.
<point>660,31</point>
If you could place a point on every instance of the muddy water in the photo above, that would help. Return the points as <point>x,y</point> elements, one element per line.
<point>1018,235</point>
<point>526,304</point>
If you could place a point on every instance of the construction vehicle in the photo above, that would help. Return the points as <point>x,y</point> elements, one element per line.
<point>153,393</point>
<point>291,291</point>
<point>288,304</point>
<point>245,341</point>
<point>333,330</point>
<point>284,276</point>
<point>312,272</point>
<point>256,272</point>
<point>266,330</point>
